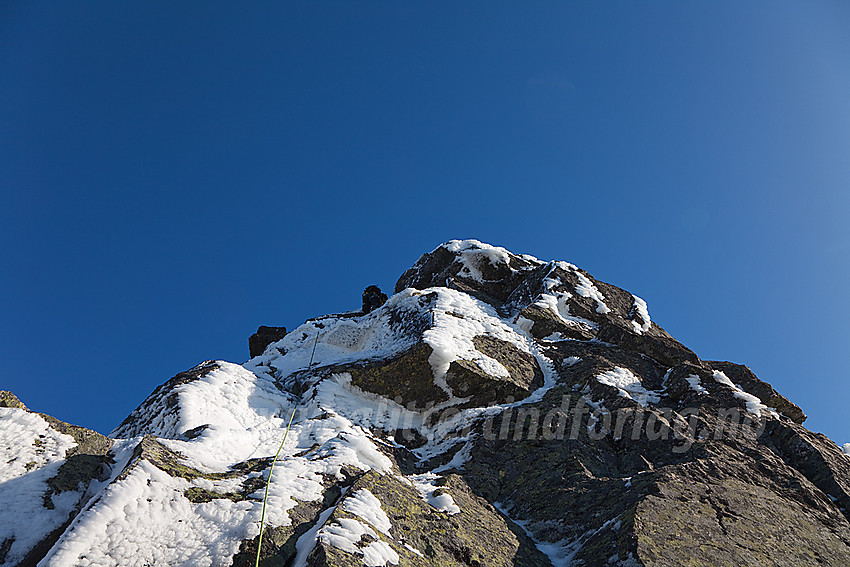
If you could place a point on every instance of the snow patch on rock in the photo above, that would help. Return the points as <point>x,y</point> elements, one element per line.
<point>696,384</point>
<point>560,553</point>
<point>587,289</point>
<point>629,385</point>
<point>426,485</point>
<point>458,319</point>
<point>753,403</point>
<point>558,303</point>
<point>641,311</point>
<point>367,506</point>
<point>346,533</point>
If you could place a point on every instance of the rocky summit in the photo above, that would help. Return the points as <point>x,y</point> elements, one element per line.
<point>497,410</point>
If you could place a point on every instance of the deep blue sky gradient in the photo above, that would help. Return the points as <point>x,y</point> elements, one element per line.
<point>173,175</point>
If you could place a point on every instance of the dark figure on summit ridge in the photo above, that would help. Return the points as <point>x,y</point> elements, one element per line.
<point>373,298</point>
<point>264,336</point>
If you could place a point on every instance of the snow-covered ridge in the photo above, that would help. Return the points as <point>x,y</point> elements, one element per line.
<point>31,454</point>
<point>237,413</point>
<point>176,531</point>
<point>446,320</point>
<point>342,339</point>
<point>514,283</point>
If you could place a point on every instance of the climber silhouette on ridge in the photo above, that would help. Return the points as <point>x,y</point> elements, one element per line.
<point>373,298</point>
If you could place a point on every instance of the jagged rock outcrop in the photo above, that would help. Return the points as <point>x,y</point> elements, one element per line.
<point>264,336</point>
<point>497,410</point>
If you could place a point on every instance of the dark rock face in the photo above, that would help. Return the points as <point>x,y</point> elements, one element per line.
<point>469,380</point>
<point>440,268</point>
<point>264,336</point>
<point>722,520</point>
<point>743,376</point>
<point>760,491</point>
<point>815,457</point>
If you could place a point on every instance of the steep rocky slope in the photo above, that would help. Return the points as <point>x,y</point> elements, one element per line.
<point>497,410</point>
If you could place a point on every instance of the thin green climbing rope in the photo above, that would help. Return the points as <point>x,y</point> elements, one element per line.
<point>274,461</point>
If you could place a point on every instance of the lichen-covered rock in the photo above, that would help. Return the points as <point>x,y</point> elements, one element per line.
<point>814,456</point>
<point>468,380</point>
<point>420,535</point>
<point>407,378</point>
<point>279,541</point>
<point>10,400</point>
<point>695,516</point>
<point>87,461</point>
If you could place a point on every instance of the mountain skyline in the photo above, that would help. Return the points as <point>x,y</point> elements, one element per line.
<point>497,409</point>
<point>172,177</point>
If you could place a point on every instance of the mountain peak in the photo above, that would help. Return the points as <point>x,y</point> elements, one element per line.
<point>496,410</point>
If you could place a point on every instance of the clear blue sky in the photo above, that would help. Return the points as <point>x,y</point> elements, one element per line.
<point>173,175</point>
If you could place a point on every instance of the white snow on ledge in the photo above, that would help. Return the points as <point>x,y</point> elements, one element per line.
<point>642,311</point>
<point>629,385</point>
<point>426,485</point>
<point>846,449</point>
<point>696,384</point>
<point>558,303</point>
<point>346,533</point>
<point>472,254</point>
<point>367,506</point>
<point>587,289</point>
<point>753,403</point>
